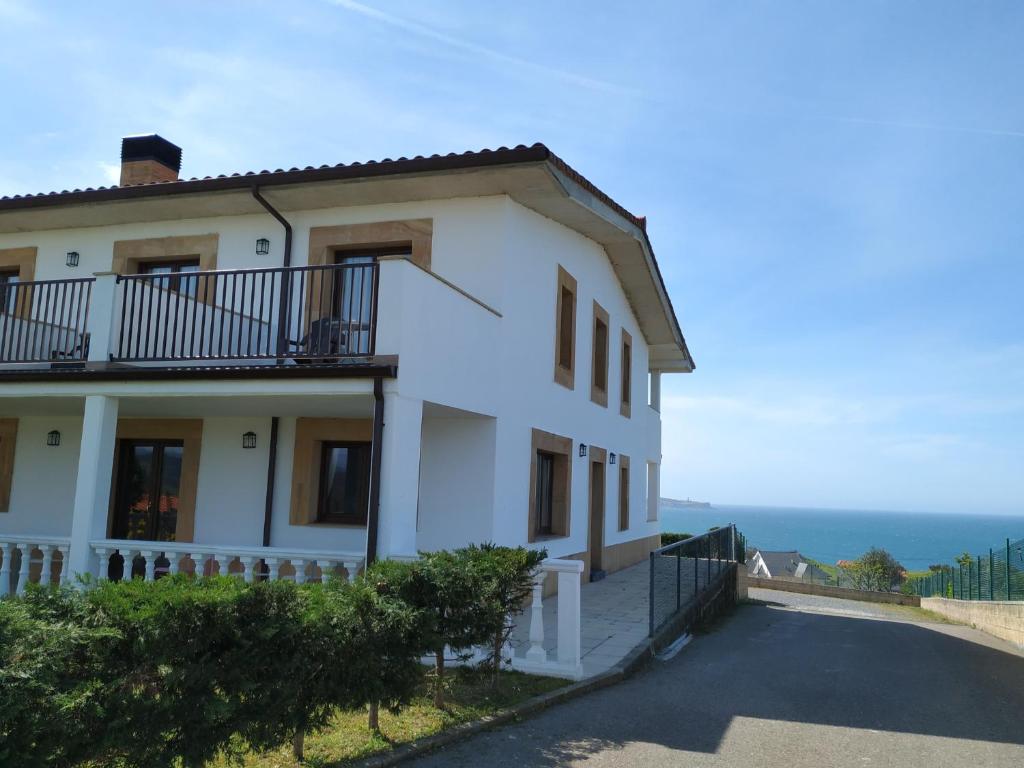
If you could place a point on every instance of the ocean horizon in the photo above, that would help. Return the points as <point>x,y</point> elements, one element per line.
<point>915,539</point>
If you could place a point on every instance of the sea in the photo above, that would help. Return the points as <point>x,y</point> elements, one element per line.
<point>915,539</point>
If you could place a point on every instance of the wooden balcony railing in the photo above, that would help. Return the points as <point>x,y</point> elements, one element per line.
<point>45,320</point>
<point>305,314</point>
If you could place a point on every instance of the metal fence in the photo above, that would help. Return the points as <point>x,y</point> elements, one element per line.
<point>685,572</point>
<point>997,575</point>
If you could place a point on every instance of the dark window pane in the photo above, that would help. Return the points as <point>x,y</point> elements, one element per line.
<point>345,473</point>
<point>545,492</point>
<point>170,485</point>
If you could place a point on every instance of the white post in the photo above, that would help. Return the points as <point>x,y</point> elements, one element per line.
<point>102,563</point>
<point>656,390</point>
<point>63,575</point>
<point>400,476</point>
<point>569,623</point>
<point>101,316</point>
<point>173,563</point>
<point>300,570</point>
<point>325,569</point>
<point>45,575</point>
<point>127,563</point>
<point>273,568</point>
<point>149,571</point>
<point>248,565</point>
<point>92,489</point>
<point>26,564</point>
<point>5,569</point>
<point>537,654</point>
<point>351,569</point>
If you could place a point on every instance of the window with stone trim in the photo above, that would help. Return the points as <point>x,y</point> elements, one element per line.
<point>550,485</point>
<point>626,375</point>
<point>565,330</point>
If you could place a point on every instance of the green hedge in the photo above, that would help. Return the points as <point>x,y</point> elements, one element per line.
<point>180,670</point>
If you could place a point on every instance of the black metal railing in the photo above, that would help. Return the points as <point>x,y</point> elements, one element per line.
<point>45,320</point>
<point>305,314</point>
<point>685,573</point>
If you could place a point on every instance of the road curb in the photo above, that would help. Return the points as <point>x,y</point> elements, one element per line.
<point>633,662</point>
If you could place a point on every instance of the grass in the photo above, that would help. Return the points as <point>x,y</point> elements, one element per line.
<point>912,613</point>
<point>470,696</point>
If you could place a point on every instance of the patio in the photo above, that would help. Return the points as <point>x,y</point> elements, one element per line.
<point>613,620</point>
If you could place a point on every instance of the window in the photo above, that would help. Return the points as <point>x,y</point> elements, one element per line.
<point>626,374</point>
<point>344,483</point>
<point>599,367</point>
<point>148,489</point>
<point>550,483</point>
<point>565,330</point>
<point>176,269</point>
<point>9,279</point>
<point>623,492</point>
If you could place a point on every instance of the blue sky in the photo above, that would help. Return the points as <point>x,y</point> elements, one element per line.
<point>834,189</point>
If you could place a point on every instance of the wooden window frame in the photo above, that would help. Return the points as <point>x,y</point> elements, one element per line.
<point>310,434</point>
<point>624,489</point>
<point>626,375</point>
<point>565,374</point>
<point>22,261</point>
<point>599,356</point>
<point>177,263</point>
<point>131,255</point>
<point>359,518</point>
<point>8,441</point>
<point>560,448</point>
<point>190,432</point>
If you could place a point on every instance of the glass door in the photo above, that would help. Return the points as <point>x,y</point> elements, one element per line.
<point>149,483</point>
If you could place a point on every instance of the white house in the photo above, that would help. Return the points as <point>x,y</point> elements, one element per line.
<point>290,372</point>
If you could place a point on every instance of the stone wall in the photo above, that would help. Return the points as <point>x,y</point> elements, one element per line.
<point>807,588</point>
<point>1000,618</point>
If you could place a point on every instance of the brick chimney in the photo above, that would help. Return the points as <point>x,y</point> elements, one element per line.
<point>148,159</point>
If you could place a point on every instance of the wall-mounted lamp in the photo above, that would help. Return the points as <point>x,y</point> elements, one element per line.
<point>53,438</point>
<point>262,247</point>
<point>71,259</point>
<point>249,440</point>
<point>583,449</point>
<point>611,458</point>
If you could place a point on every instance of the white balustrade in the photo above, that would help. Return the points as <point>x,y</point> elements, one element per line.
<point>568,653</point>
<point>29,551</point>
<point>213,560</point>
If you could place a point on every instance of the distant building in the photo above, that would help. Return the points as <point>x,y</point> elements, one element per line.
<point>784,565</point>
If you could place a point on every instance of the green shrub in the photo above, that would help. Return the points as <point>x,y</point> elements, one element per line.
<point>672,538</point>
<point>51,670</point>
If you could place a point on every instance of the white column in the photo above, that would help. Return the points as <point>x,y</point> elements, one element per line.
<point>45,574</point>
<point>569,623</point>
<point>92,490</point>
<point>656,390</point>
<point>400,476</point>
<point>5,568</point>
<point>101,316</point>
<point>536,654</point>
<point>26,564</point>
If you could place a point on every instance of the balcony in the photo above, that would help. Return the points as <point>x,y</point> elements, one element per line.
<point>295,315</point>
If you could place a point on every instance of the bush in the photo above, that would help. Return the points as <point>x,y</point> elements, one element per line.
<point>672,538</point>
<point>51,672</point>
<point>178,671</point>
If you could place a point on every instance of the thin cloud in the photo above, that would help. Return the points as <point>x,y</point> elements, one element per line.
<point>476,49</point>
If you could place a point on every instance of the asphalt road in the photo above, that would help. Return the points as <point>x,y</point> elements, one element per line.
<point>795,684</point>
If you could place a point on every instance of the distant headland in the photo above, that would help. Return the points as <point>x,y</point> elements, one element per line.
<point>685,503</point>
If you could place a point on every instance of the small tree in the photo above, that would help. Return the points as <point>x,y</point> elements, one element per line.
<point>448,587</point>
<point>508,581</point>
<point>876,570</point>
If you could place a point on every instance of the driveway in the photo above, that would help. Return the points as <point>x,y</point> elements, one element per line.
<point>790,682</point>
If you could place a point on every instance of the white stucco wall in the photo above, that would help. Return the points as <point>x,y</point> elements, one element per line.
<point>43,485</point>
<point>457,467</point>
